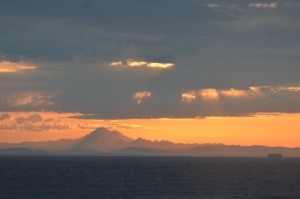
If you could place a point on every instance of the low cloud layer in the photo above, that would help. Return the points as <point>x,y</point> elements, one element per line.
<point>58,122</point>
<point>40,121</point>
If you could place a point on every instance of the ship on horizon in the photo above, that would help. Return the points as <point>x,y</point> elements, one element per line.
<point>275,155</point>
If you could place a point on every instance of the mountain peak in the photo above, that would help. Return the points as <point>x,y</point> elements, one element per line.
<point>102,139</point>
<point>104,132</point>
<point>100,130</point>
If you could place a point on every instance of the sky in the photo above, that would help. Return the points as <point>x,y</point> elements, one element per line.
<point>218,71</point>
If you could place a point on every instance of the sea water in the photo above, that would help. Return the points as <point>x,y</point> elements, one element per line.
<point>149,177</point>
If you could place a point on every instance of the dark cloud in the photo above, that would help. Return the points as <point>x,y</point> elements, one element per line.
<point>20,120</point>
<point>224,45</point>
<point>49,120</point>
<point>32,118</point>
<point>35,118</point>
<point>64,30</point>
<point>4,116</point>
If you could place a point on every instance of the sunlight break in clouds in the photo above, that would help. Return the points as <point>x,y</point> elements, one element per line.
<point>263,5</point>
<point>215,94</point>
<point>138,63</point>
<point>116,63</point>
<point>140,96</point>
<point>11,67</point>
<point>188,97</point>
<point>209,94</point>
<point>234,93</point>
<point>135,63</point>
<point>291,88</point>
<point>213,6</point>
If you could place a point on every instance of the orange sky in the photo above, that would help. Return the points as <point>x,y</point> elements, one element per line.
<point>213,58</point>
<point>275,129</point>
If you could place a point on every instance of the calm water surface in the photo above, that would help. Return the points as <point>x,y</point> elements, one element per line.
<point>128,177</point>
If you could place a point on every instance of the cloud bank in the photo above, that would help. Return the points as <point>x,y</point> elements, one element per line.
<point>127,59</point>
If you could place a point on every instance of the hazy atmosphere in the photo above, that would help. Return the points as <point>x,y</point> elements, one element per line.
<point>186,71</point>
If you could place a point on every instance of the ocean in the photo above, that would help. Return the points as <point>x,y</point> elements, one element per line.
<point>149,177</point>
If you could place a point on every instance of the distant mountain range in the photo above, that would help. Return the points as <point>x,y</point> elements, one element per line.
<point>103,142</point>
